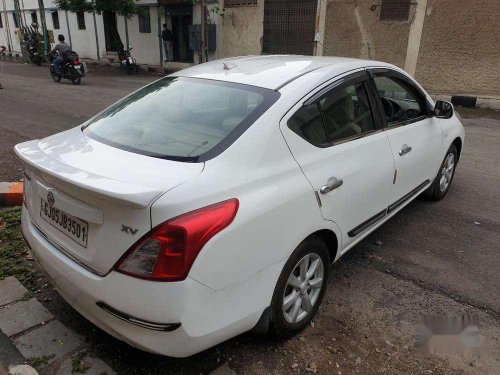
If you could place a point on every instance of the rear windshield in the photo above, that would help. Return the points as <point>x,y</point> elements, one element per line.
<point>185,119</point>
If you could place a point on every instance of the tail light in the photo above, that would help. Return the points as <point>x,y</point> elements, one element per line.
<point>76,62</point>
<point>169,250</point>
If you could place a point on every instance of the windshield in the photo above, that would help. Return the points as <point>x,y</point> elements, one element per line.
<point>184,119</point>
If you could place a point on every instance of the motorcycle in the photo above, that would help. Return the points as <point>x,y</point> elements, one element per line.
<point>71,68</point>
<point>33,45</point>
<point>128,63</point>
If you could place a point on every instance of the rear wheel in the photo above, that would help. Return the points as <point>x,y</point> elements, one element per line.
<point>444,178</point>
<point>76,80</point>
<point>300,288</point>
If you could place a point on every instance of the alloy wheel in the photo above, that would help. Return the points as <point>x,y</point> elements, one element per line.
<point>447,172</point>
<point>303,288</point>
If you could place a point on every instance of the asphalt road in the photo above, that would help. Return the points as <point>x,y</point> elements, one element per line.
<point>432,259</point>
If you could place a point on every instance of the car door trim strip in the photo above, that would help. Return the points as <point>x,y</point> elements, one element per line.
<point>367,223</point>
<point>400,201</point>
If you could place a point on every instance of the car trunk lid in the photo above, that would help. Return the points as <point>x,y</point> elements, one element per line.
<point>92,201</point>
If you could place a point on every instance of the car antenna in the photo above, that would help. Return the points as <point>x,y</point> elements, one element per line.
<point>228,65</point>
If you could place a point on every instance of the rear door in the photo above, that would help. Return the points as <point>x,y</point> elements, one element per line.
<point>337,142</point>
<point>414,134</point>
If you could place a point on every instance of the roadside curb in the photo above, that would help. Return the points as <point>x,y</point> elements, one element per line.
<point>11,193</point>
<point>471,101</point>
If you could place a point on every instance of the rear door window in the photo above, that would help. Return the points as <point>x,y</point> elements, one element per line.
<point>184,119</point>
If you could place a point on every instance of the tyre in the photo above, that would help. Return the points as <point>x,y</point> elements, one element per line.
<point>76,80</point>
<point>56,77</point>
<point>444,178</point>
<point>300,288</point>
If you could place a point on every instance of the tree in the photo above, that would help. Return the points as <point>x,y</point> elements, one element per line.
<point>125,8</point>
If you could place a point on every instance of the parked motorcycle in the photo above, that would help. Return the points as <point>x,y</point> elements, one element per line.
<point>128,63</point>
<point>34,46</point>
<point>71,68</point>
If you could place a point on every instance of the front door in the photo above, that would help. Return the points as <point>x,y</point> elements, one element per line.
<point>414,134</point>
<point>344,155</point>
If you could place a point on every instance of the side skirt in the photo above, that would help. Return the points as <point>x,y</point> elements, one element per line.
<point>374,219</point>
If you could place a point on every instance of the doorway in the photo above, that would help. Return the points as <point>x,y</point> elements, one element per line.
<point>111,35</point>
<point>180,17</point>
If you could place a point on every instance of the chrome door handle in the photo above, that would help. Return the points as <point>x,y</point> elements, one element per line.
<point>332,184</point>
<point>404,150</point>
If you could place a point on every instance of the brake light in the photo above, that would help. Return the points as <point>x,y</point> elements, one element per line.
<point>169,250</point>
<point>76,62</point>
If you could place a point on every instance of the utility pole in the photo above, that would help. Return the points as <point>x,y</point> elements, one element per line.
<point>96,37</point>
<point>69,31</point>
<point>41,7</point>
<point>9,38</point>
<point>17,12</point>
<point>203,30</point>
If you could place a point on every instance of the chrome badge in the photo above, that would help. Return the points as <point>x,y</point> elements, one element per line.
<point>50,198</point>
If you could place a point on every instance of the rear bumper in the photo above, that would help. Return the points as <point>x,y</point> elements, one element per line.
<point>201,317</point>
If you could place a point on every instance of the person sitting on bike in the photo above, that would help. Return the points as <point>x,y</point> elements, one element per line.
<point>62,48</point>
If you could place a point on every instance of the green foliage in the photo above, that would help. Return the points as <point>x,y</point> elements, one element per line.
<point>124,7</point>
<point>13,250</point>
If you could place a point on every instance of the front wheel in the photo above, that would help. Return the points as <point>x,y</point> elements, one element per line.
<point>444,178</point>
<point>300,288</point>
<point>56,77</point>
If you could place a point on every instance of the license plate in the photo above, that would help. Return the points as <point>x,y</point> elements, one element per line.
<point>73,227</point>
<point>78,66</point>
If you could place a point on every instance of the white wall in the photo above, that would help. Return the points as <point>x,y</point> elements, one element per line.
<point>83,41</point>
<point>146,48</point>
<point>213,17</point>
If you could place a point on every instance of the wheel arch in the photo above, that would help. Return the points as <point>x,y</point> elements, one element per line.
<point>458,144</point>
<point>329,237</point>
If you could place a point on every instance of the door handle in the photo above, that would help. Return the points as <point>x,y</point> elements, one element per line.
<point>332,184</point>
<point>404,150</point>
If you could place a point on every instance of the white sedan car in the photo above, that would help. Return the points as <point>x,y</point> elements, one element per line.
<point>213,201</point>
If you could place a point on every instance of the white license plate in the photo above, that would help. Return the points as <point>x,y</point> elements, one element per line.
<point>73,227</point>
<point>78,66</point>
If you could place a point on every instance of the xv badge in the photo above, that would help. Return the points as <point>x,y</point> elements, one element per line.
<point>129,230</point>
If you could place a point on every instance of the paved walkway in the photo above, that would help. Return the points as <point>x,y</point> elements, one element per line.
<point>30,334</point>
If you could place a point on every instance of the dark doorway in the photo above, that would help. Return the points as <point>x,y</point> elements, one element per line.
<point>112,37</point>
<point>289,26</point>
<point>181,17</point>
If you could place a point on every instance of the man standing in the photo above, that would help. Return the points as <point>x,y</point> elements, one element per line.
<point>166,36</point>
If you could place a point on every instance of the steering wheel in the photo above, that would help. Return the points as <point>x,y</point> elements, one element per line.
<point>388,108</point>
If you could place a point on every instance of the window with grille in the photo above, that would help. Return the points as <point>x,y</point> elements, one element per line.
<point>395,10</point>
<point>55,20</point>
<point>144,20</point>
<point>239,3</point>
<point>80,19</point>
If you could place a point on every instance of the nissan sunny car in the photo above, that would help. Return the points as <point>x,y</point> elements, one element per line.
<point>213,201</point>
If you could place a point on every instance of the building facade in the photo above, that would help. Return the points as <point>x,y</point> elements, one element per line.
<point>451,46</point>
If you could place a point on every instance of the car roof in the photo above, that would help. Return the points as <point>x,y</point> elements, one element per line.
<point>270,71</point>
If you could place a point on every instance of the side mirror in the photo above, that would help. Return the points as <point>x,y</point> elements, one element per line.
<point>443,109</point>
